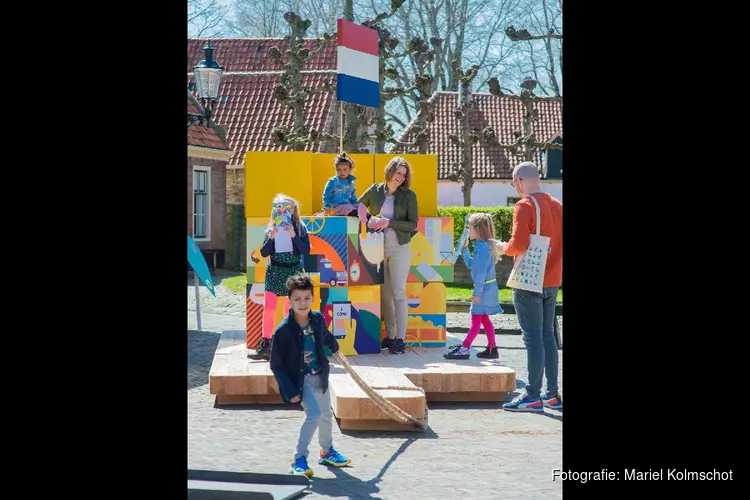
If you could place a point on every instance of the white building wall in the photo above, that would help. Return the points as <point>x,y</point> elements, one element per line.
<point>488,193</point>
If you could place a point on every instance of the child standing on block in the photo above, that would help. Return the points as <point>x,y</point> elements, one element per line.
<point>484,300</point>
<point>340,193</point>
<point>287,243</point>
<point>301,369</point>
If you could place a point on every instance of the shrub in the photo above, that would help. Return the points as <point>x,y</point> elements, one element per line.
<point>502,217</point>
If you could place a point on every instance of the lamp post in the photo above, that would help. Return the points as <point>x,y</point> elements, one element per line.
<point>208,74</point>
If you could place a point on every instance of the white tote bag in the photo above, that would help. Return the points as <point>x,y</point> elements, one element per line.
<point>528,270</point>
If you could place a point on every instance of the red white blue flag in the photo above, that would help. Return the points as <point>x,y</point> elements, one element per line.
<point>357,66</point>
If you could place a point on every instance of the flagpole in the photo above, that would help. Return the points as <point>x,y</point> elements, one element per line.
<point>197,300</point>
<point>341,129</point>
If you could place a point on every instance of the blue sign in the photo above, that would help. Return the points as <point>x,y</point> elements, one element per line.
<point>195,258</point>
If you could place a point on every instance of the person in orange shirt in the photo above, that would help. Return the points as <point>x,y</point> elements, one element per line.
<point>536,311</point>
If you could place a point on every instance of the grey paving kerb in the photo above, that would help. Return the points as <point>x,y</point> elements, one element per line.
<point>471,450</point>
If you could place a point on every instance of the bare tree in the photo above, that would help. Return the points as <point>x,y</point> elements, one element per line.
<point>355,117</point>
<point>289,90</point>
<point>205,17</point>
<point>545,18</point>
<point>264,19</point>
<point>526,143</point>
<point>468,137</point>
<point>258,19</point>
<point>466,34</point>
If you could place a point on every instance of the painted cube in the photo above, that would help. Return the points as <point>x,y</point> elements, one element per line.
<point>255,234</point>
<point>276,308</point>
<point>254,298</point>
<point>343,252</point>
<point>431,248</point>
<point>354,313</point>
<point>427,320</point>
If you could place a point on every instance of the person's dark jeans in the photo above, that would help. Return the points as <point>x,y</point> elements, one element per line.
<point>536,316</point>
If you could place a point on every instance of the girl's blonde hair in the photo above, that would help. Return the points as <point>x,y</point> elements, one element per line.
<point>485,229</point>
<point>295,207</point>
<point>393,165</point>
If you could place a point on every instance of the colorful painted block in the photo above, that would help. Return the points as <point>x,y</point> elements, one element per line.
<point>254,298</point>
<point>353,312</point>
<point>431,247</point>
<point>343,252</point>
<point>255,234</point>
<point>427,322</point>
<point>275,309</point>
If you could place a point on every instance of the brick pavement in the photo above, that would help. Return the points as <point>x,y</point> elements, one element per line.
<point>471,450</point>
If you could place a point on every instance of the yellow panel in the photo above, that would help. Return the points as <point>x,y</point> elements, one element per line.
<point>269,173</point>
<point>323,169</point>
<point>423,180</point>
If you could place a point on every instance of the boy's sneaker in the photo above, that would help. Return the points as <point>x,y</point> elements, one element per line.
<point>299,467</point>
<point>552,400</point>
<point>386,343</point>
<point>333,457</point>
<point>489,353</point>
<point>524,403</point>
<point>458,352</point>
<point>397,347</point>
<point>263,351</point>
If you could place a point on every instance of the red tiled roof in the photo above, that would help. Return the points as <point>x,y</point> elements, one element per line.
<point>251,111</point>
<point>503,113</point>
<point>251,54</point>
<point>202,136</point>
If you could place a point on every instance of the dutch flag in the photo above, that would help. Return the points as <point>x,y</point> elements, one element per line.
<point>357,66</point>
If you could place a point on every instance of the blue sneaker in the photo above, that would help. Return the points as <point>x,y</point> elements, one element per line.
<point>299,467</point>
<point>524,403</point>
<point>552,400</point>
<point>333,457</point>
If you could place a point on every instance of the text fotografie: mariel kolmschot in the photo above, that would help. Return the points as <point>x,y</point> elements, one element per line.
<point>640,475</point>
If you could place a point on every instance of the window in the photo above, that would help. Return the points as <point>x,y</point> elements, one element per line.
<point>512,200</point>
<point>201,203</point>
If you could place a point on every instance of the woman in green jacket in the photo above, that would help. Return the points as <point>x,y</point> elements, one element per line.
<point>393,206</point>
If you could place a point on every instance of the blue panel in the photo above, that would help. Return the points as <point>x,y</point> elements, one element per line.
<point>358,91</point>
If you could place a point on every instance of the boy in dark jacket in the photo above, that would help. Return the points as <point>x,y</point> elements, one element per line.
<point>301,369</point>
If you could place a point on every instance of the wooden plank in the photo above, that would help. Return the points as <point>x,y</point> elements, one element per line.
<point>233,374</point>
<point>248,399</point>
<point>219,368</point>
<point>351,402</point>
<point>466,396</point>
<point>227,340</point>
<point>374,425</point>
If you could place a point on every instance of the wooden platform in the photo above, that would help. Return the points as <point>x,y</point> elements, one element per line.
<point>235,379</point>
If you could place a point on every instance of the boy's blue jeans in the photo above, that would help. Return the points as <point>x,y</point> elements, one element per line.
<point>318,415</point>
<point>536,316</point>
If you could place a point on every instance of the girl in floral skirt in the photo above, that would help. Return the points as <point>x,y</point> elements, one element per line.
<point>285,257</point>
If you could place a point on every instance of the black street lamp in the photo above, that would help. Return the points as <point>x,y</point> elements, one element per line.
<point>207,80</point>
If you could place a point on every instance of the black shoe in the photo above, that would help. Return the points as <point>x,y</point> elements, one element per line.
<point>397,347</point>
<point>489,353</point>
<point>386,343</point>
<point>263,351</point>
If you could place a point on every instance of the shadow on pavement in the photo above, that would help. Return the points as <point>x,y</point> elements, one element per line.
<point>201,349</point>
<point>352,487</point>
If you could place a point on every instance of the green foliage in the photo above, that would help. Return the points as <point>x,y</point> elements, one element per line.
<point>502,217</point>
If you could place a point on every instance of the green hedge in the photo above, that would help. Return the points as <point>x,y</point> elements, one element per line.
<point>502,216</point>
